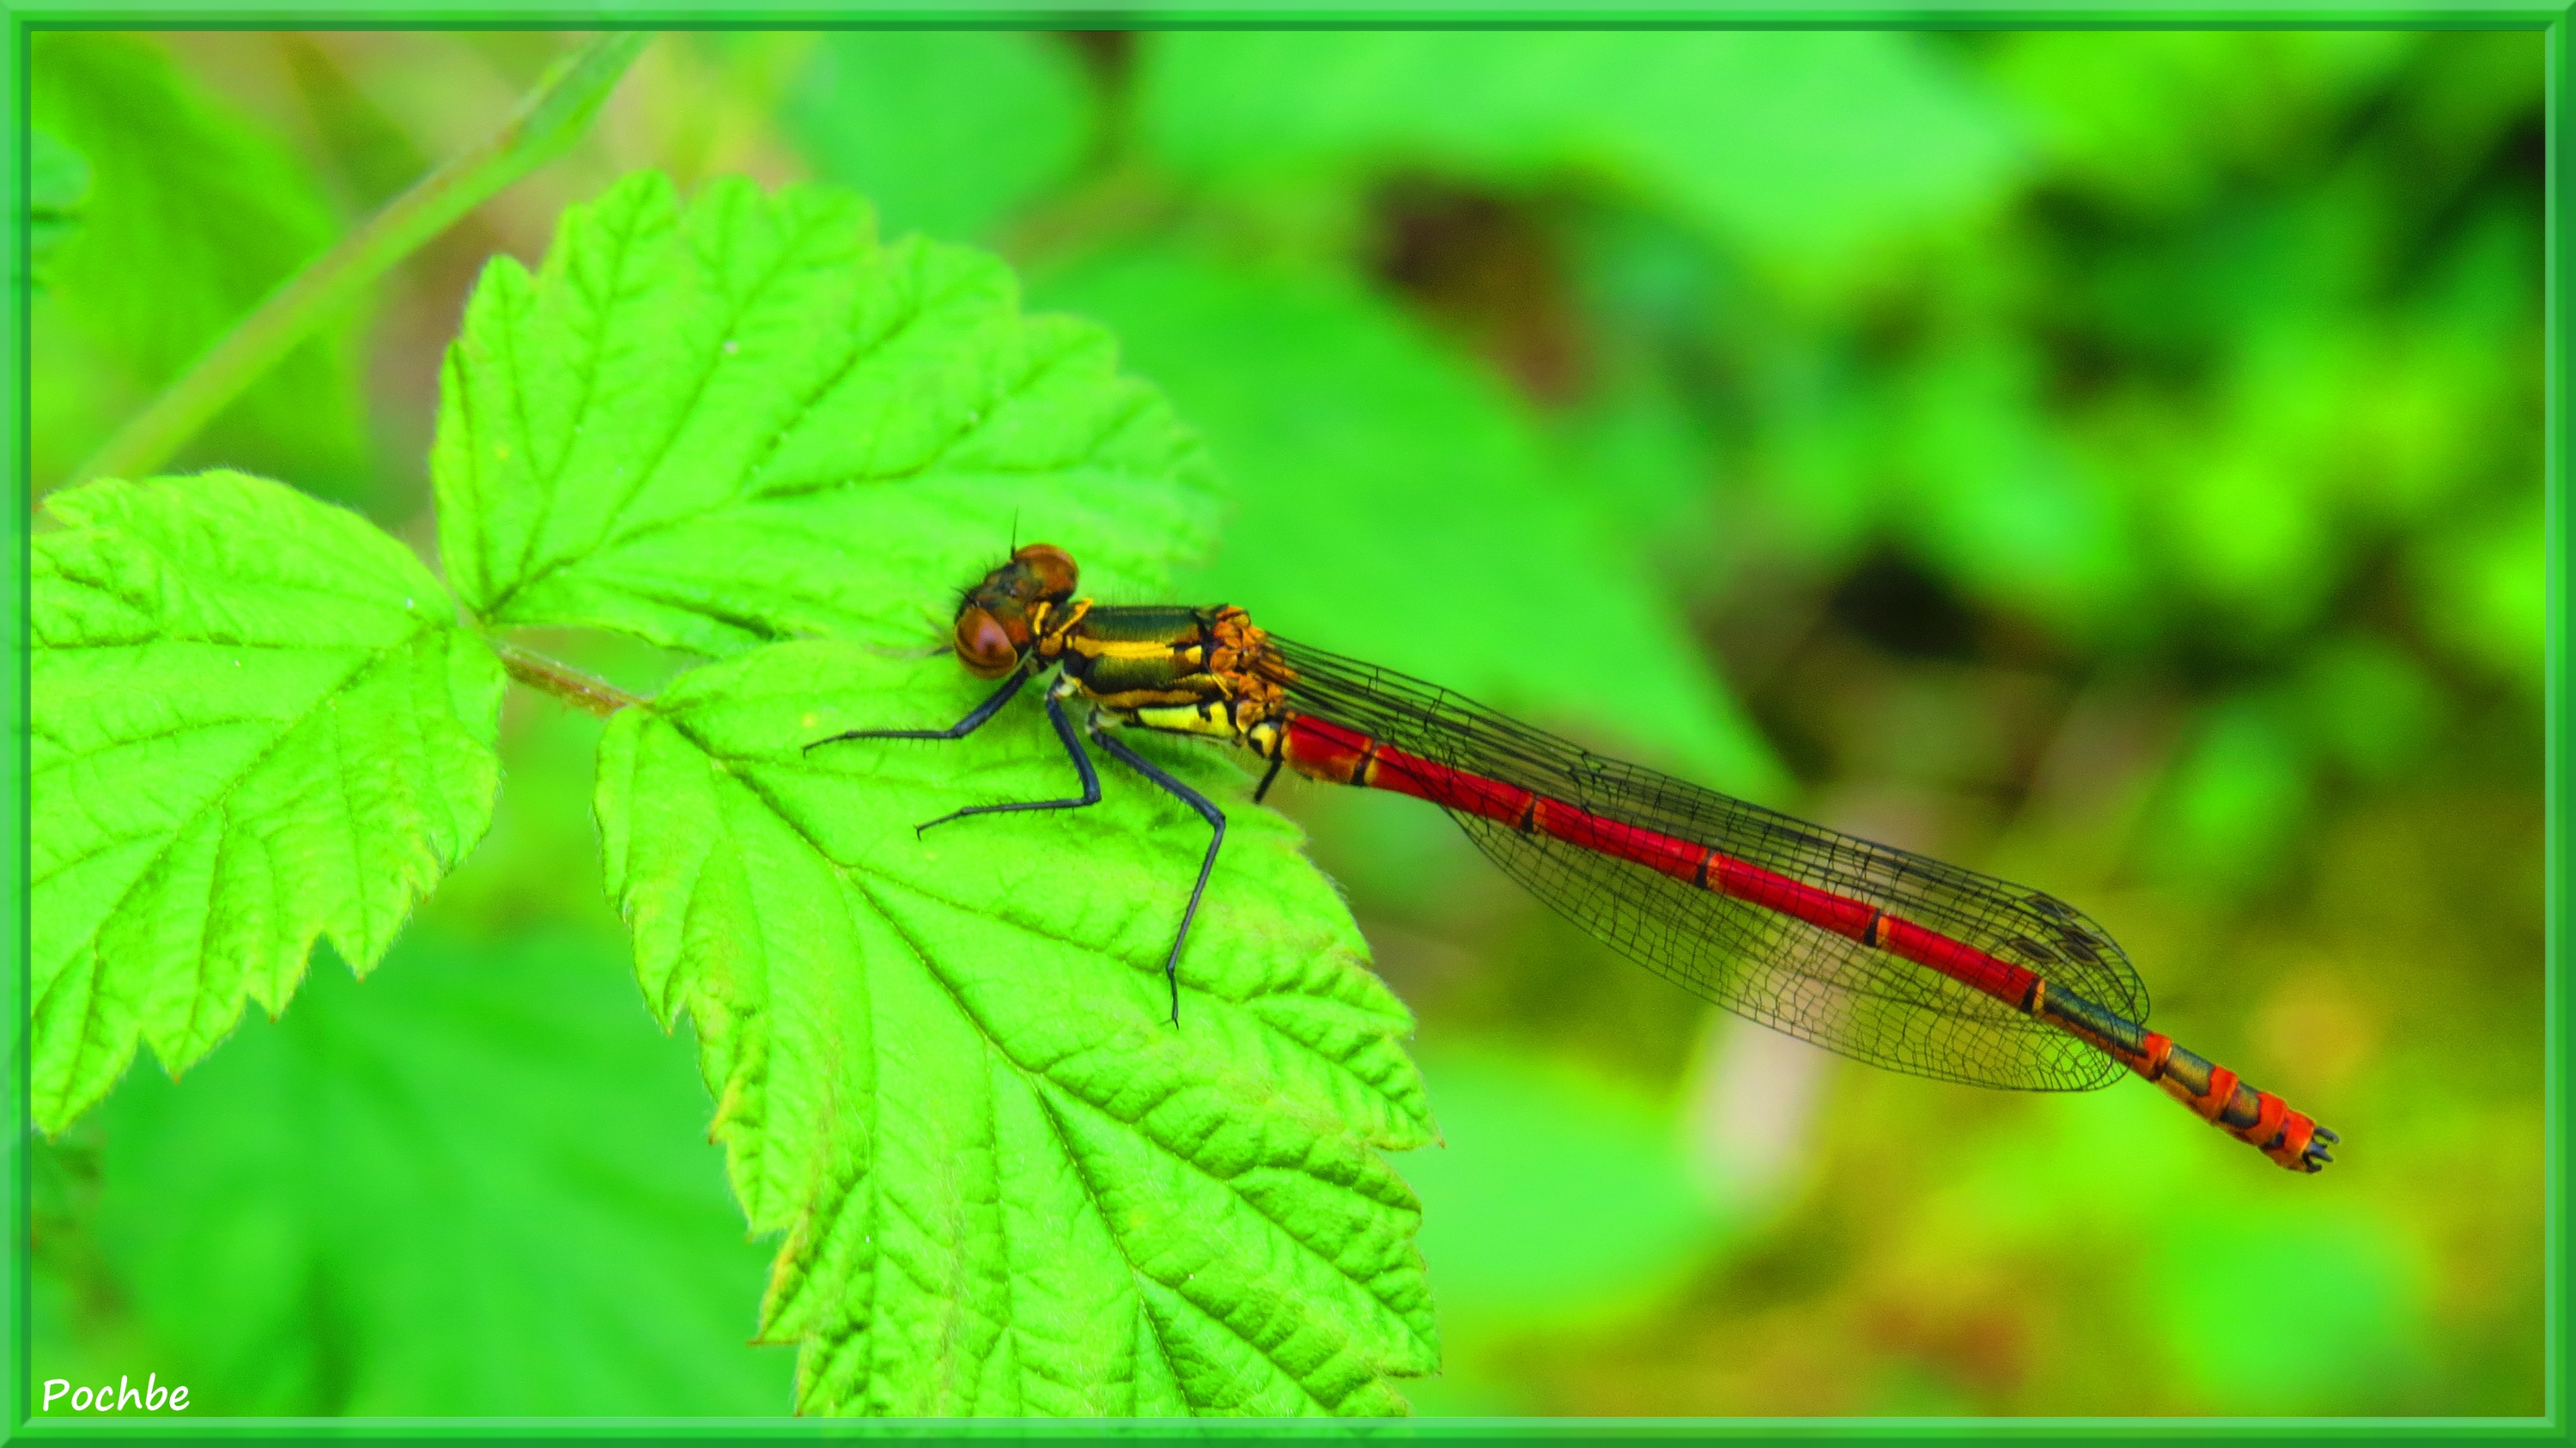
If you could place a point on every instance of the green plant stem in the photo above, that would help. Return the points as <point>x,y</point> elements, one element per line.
<point>571,685</point>
<point>554,116</point>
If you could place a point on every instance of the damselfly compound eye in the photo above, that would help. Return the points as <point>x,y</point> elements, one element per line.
<point>984,644</point>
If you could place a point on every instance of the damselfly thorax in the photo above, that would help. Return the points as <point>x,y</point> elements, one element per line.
<point>1885,956</point>
<point>1206,672</point>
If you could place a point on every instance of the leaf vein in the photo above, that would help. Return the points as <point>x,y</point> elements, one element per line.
<point>594,341</point>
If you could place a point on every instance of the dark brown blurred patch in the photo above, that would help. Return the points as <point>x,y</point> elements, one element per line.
<point>1898,606</point>
<point>1484,269</point>
<point>1110,54</point>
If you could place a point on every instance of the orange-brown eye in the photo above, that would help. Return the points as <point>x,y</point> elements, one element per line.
<point>984,644</point>
<point>1051,566</point>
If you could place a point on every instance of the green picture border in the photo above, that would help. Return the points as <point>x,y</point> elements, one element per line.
<point>2559,59</point>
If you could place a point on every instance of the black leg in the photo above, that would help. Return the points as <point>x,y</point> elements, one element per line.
<point>958,730</point>
<point>1081,766</point>
<point>1269,775</point>
<point>1207,811</point>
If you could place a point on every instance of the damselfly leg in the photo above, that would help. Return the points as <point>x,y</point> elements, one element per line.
<point>1090,795</point>
<point>1081,766</point>
<point>974,720</point>
<point>1207,811</point>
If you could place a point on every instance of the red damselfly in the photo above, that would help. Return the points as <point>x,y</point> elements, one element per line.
<point>1881,955</point>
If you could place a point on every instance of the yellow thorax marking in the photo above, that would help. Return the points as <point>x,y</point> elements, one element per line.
<point>1207,719</point>
<point>1049,636</point>
<point>1123,648</point>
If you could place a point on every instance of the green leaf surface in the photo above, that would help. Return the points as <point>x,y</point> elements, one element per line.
<point>2235,802</point>
<point>1805,148</point>
<point>943,1064</point>
<point>2020,1195</point>
<point>2157,119</point>
<point>2485,585</point>
<point>57,187</point>
<point>255,723</point>
<point>2370,706</point>
<point>1999,502</point>
<point>673,394</point>
<point>1378,470</point>
<point>475,1183</point>
<point>1530,1147</point>
<point>947,131</point>
<point>195,212</point>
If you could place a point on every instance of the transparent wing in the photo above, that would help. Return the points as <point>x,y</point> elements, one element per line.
<point>1784,972</point>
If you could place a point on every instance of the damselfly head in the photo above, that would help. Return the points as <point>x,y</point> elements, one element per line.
<point>994,621</point>
<point>1052,567</point>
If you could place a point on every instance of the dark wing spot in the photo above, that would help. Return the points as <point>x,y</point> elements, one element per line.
<point>2028,949</point>
<point>2076,945</point>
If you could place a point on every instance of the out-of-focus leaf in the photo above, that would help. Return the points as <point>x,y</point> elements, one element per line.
<point>2485,587</point>
<point>2001,504</point>
<point>2021,1198</point>
<point>255,723</point>
<point>2448,403</point>
<point>2371,707</point>
<point>475,1184</point>
<point>1396,508</point>
<point>2466,414</point>
<point>943,1063</point>
<point>1820,490</point>
<point>1805,148</point>
<point>2468,88</point>
<point>1635,450</point>
<point>2156,117</point>
<point>2248,533</point>
<point>2352,1331</point>
<point>945,131</point>
<point>758,379</point>
<point>2243,496</point>
<point>1532,1155</point>
<point>194,214</point>
<point>2326,419</point>
<point>57,188</point>
<point>2435,414</point>
<point>2237,796</point>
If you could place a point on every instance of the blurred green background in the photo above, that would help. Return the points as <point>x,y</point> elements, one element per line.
<point>2108,460</point>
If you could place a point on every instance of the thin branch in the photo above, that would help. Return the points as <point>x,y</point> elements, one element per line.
<point>571,685</point>
<point>552,118</point>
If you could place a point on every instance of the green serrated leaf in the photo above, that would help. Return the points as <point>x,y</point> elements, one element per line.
<point>757,378</point>
<point>194,214</point>
<point>943,1064</point>
<point>509,1208</point>
<point>255,723</point>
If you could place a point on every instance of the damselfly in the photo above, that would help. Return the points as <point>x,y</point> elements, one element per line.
<point>1881,955</point>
